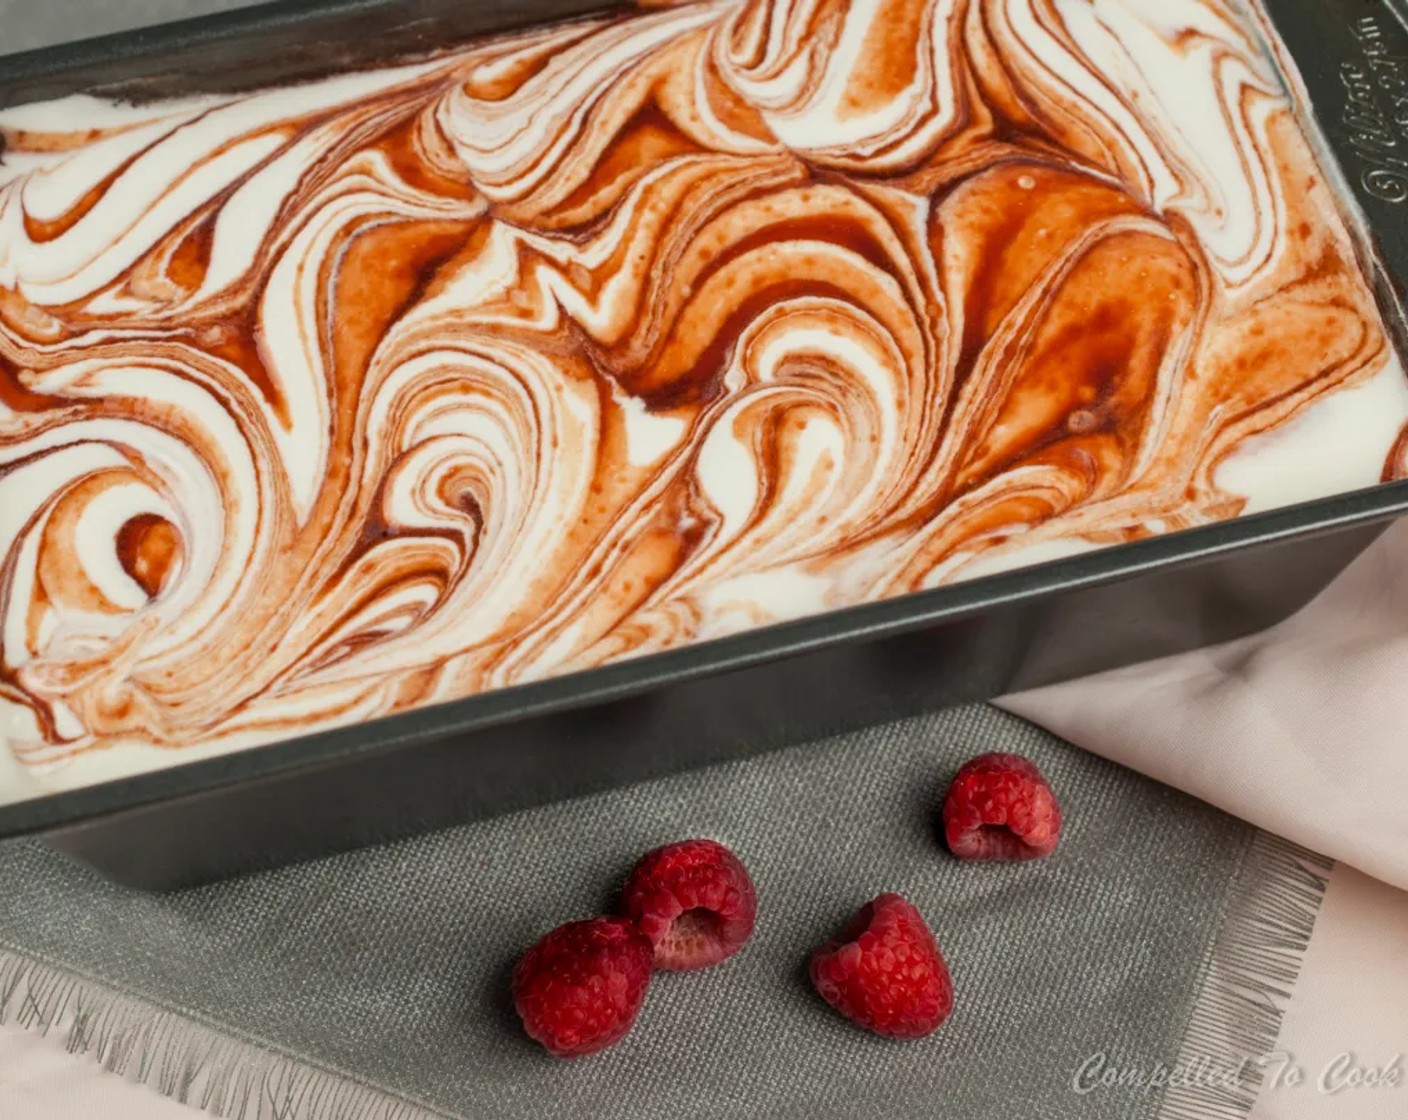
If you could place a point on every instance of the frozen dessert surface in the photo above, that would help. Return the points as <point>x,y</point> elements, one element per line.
<point>322,403</point>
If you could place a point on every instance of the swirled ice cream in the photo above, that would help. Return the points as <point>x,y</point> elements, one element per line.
<point>322,403</point>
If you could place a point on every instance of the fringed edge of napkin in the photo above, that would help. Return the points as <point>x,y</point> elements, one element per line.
<point>1247,980</point>
<point>180,1058</point>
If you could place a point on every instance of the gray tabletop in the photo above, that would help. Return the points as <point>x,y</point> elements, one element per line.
<point>37,23</point>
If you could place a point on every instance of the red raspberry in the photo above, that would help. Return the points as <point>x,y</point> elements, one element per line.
<point>579,988</point>
<point>1000,807</point>
<point>886,972</point>
<point>695,902</point>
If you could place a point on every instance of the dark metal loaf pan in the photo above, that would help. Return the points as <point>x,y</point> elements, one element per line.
<point>710,702</point>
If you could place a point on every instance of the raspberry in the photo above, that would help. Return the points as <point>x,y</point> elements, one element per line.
<point>695,902</point>
<point>579,988</point>
<point>1000,807</point>
<point>886,973</point>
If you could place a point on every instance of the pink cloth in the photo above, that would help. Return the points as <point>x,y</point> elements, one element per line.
<point>1302,730</point>
<point>40,1080</point>
<point>1343,1050</point>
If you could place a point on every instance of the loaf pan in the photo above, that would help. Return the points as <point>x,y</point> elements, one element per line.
<point>721,700</point>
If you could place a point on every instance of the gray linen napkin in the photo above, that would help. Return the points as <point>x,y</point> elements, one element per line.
<point>374,985</point>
